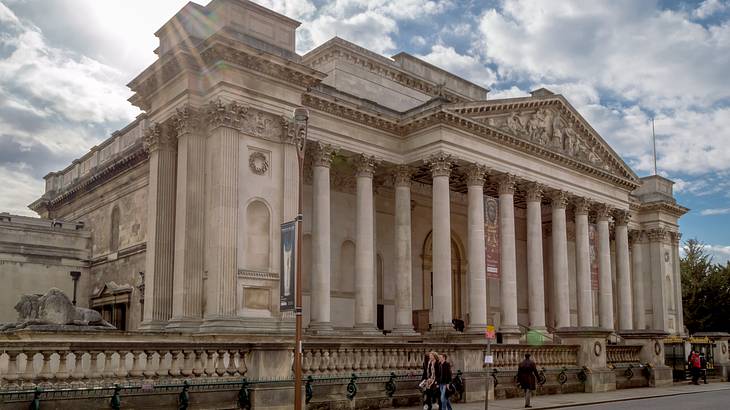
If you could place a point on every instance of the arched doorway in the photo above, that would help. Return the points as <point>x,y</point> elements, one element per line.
<point>458,276</point>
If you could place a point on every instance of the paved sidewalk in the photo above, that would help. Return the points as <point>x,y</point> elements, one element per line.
<point>558,401</point>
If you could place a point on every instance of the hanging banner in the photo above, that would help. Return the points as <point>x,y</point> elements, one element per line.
<point>491,236</point>
<point>593,246</point>
<point>288,265</point>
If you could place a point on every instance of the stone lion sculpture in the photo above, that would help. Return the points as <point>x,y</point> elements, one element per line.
<point>56,310</point>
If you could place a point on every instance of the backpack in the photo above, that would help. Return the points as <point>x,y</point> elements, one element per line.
<point>696,363</point>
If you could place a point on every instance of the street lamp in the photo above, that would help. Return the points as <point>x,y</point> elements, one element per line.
<point>301,119</point>
<point>75,277</point>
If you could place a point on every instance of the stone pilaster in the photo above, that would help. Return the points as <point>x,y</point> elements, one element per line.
<point>605,286</point>
<point>321,269</point>
<point>187,302</point>
<point>637,275</point>
<point>583,263</point>
<point>508,259</point>
<point>535,273</point>
<point>623,273</point>
<point>657,237</point>
<point>222,215</point>
<point>403,264</point>
<point>365,279</point>
<point>476,249</point>
<point>159,140</point>
<point>676,238</point>
<point>560,259</point>
<point>441,315</point>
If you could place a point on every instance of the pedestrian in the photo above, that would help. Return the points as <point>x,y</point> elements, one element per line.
<point>429,382</point>
<point>527,377</point>
<point>445,382</point>
<point>695,365</point>
<point>703,367</point>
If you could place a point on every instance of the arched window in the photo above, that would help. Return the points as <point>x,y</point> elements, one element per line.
<point>258,236</point>
<point>114,230</point>
<point>346,270</point>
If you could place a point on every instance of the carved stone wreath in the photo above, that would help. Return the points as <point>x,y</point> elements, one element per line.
<point>724,348</point>
<point>597,348</point>
<point>258,163</point>
<point>657,348</point>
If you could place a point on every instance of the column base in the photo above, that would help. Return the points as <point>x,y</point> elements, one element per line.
<point>510,335</point>
<point>367,329</point>
<point>442,328</point>
<point>476,329</point>
<point>153,326</point>
<point>184,324</point>
<point>404,331</point>
<point>320,328</point>
<point>235,324</point>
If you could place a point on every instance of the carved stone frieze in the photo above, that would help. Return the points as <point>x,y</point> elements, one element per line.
<point>159,137</point>
<point>402,176</point>
<point>245,119</point>
<point>475,174</point>
<point>322,154</point>
<point>440,164</point>
<point>533,191</point>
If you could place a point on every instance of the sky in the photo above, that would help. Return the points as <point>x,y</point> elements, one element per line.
<point>64,66</point>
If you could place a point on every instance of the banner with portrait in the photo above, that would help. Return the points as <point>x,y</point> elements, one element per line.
<point>288,266</point>
<point>593,248</point>
<point>491,236</point>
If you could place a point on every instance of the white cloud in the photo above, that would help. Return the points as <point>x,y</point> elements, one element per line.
<point>296,9</point>
<point>20,190</point>
<point>715,211</point>
<point>709,8</point>
<point>512,92</point>
<point>720,253</point>
<point>466,66</point>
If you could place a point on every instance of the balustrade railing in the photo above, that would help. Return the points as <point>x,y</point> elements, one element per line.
<point>510,356</point>
<point>623,354</point>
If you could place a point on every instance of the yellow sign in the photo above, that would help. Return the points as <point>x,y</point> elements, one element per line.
<point>490,333</point>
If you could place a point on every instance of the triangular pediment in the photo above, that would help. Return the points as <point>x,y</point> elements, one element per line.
<point>550,122</point>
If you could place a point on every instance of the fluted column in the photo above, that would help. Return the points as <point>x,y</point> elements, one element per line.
<point>222,215</point>
<point>637,276</point>
<point>535,274</point>
<point>676,238</point>
<point>441,315</point>
<point>657,238</point>
<point>321,265</point>
<point>623,274</point>
<point>403,268</point>
<point>160,143</point>
<point>583,263</point>
<point>187,297</point>
<point>364,250</point>
<point>476,248</point>
<point>560,259</point>
<point>508,259</point>
<point>605,286</point>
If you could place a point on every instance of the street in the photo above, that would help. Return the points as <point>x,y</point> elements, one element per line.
<point>705,400</point>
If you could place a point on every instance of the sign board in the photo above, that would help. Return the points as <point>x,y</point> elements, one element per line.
<point>488,359</point>
<point>490,333</point>
<point>288,265</point>
<point>491,236</point>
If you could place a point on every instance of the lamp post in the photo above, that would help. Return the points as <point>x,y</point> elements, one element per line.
<point>75,277</point>
<point>301,119</point>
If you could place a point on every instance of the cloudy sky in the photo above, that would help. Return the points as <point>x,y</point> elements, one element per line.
<point>64,65</point>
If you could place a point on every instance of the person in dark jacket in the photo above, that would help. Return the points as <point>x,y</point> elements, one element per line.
<point>527,377</point>
<point>444,382</point>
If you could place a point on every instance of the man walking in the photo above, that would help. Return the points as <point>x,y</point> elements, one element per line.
<point>445,383</point>
<point>527,377</point>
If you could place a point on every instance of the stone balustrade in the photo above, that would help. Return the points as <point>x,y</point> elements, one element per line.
<point>510,356</point>
<point>623,354</point>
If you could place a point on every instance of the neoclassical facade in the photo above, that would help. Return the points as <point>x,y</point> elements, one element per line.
<point>424,200</point>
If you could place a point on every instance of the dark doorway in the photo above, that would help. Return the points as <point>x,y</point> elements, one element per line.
<point>381,314</point>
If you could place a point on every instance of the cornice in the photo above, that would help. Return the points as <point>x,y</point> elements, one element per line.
<point>351,112</point>
<point>663,206</point>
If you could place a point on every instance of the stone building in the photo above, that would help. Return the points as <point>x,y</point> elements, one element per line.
<point>424,200</point>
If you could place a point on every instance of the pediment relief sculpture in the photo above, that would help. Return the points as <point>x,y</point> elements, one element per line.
<point>551,129</point>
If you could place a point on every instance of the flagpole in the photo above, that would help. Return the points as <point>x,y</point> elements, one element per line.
<point>653,138</point>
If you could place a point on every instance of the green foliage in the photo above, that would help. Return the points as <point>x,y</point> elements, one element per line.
<point>705,290</point>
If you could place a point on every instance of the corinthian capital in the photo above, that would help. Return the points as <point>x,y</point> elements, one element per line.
<point>229,114</point>
<point>657,234</point>
<point>322,154</point>
<point>582,206</point>
<point>188,120</point>
<point>441,164</point>
<point>158,137</point>
<point>533,191</point>
<point>506,183</point>
<point>621,216</point>
<point>365,165</point>
<point>603,211</point>
<point>559,199</point>
<point>475,174</point>
<point>402,176</point>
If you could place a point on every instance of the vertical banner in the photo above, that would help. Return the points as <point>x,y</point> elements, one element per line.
<point>491,236</point>
<point>593,247</point>
<point>288,265</point>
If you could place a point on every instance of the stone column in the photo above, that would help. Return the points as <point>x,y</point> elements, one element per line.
<point>535,274</point>
<point>160,142</point>
<point>560,260</point>
<point>676,238</point>
<point>441,315</point>
<point>657,237</point>
<point>583,263</point>
<point>187,297</point>
<point>321,260</point>
<point>508,259</point>
<point>638,280</point>
<point>365,279</point>
<point>623,274</point>
<point>605,286</point>
<point>222,216</point>
<point>477,250</point>
<point>403,268</point>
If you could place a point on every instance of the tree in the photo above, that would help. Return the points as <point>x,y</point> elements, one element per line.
<point>705,290</point>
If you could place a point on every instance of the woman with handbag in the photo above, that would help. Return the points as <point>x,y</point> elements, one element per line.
<point>429,382</point>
